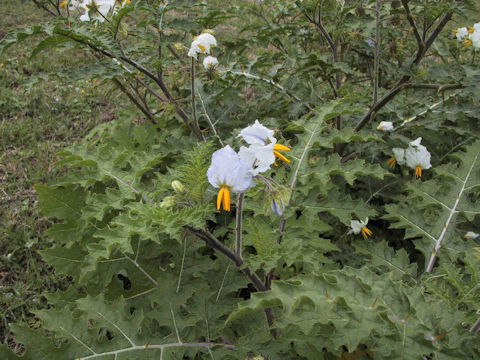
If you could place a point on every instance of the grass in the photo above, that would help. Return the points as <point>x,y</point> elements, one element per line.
<point>37,119</point>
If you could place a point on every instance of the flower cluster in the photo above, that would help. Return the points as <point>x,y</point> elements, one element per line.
<point>469,36</point>
<point>94,9</point>
<point>416,157</point>
<point>202,45</point>
<point>234,172</point>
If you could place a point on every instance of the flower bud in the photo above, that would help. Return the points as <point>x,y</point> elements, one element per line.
<point>277,207</point>
<point>178,187</point>
<point>168,202</point>
<point>178,46</point>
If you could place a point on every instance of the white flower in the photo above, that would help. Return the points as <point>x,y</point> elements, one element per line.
<point>417,157</point>
<point>202,44</point>
<point>258,157</point>
<point>210,62</point>
<point>228,172</point>
<point>259,135</point>
<point>461,33</point>
<point>398,157</point>
<point>360,227</point>
<point>474,39</point>
<point>385,126</point>
<point>471,235</point>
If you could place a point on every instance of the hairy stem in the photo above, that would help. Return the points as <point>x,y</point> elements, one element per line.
<point>238,229</point>
<point>194,108</point>
<point>475,326</point>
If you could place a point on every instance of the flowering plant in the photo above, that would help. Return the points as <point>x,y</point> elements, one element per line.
<point>190,231</point>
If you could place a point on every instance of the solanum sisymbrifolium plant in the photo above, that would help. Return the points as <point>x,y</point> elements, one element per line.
<point>293,180</point>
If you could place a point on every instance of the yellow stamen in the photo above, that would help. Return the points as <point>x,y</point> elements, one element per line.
<point>418,171</point>
<point>226,199</point>
<point>281,147</point>
<point>366,232</point>
<point>392,162</point>
<point>280,156</point>
<point>220,197</point>
<point>223,198</point>
<point>128,1</point>
<point>63,3</point>
<point>203,48</point>
<point>455,31</point>
<point>471,30</point>
<point>467,43</point>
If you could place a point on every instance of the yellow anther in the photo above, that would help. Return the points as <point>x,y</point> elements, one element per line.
<point>280,147</point>
<point>418,171</point>
<point>366,232</point>
<point>203,48</point>
<point>392,162</point>
<point>224,198</point>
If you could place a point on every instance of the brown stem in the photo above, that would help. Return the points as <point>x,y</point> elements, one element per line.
<point>41,6</point>
<point>217,245</point>
<point>405,78</point>
<point>134,100</point>
<point>420,43</point>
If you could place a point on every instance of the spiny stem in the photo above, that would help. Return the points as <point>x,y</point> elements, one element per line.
<point>194,110</point>
<point>209,119</point>
<point>238,238</point>
<point>475,326</point>
<point>183,262</point>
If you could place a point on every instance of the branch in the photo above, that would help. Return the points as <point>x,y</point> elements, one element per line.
<point>217,245</point>
<point>405,78</point>
<point>420,42</point>
<point>157,80</point>
<point>334,48</point>
<point>134,100</point>
<point>44,8</point>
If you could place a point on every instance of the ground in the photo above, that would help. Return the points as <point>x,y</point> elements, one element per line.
<point>38,118</point>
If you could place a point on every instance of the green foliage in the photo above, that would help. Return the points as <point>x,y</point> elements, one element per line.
<point>153,273</point>
<point>435,209</point>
